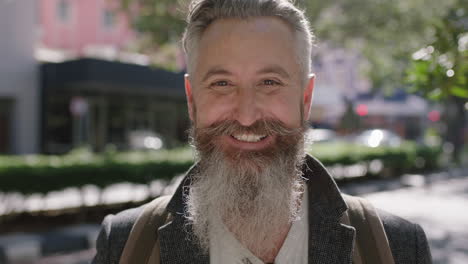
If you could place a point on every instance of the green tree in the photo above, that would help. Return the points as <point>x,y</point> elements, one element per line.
<point>439,71</point>
<point>161,20</point>
<point>385,33</point>
<point>160,24</point>
<point>350,122</point>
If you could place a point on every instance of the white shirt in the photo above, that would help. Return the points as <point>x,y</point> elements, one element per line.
<point>224,247</point>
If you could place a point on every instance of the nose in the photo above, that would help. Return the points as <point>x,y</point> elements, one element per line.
<point>247,110</point>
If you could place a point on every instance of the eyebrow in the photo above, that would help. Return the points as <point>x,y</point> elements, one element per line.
<point>274,68</point>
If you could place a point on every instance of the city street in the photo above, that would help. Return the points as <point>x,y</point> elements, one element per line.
<point>440,207</point>
<point>438,202</point>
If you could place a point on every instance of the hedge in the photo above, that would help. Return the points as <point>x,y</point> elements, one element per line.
<point>42,174</point>
<point>407,157</point>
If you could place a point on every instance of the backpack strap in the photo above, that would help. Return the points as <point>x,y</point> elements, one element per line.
<point>142,244</point>
<point>372,245</point>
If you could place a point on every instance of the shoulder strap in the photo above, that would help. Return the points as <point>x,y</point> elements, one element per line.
<point>143,244</point>
<point>372,245</point>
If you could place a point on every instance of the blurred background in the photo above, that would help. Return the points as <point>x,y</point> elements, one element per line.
<point>93,117</point>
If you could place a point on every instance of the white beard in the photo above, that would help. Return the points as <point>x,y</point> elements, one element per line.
<point>251,202</point>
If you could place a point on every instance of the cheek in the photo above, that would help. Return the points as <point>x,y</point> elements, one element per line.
<point>210,110</point>
<point>287,109</point>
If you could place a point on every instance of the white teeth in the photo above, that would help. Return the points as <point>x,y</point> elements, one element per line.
<point>248,137</point>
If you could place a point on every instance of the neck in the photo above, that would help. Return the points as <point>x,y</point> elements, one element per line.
<point>275,239</point>
<point>278,239</point>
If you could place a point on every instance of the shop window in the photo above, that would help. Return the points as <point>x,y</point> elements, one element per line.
<point>63,10</point>
<point>58,126</point>
<point>108,19</point>
<point>5,126</point>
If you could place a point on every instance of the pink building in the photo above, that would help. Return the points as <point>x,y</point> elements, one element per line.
<point>77,25</point>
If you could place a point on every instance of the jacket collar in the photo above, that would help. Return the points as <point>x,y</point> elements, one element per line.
<point>325,200</point>
<point>329,240</point>
<point>176,204</point>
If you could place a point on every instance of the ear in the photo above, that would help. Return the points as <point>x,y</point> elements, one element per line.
<point>188,95</point>
<point>307,97</point>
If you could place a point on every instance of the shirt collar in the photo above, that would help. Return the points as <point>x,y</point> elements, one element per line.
<point>224,247</point>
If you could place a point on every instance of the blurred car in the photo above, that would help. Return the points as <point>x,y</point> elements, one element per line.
<point>144,140</point>
<point>378,137</point>
<point>320,135</point>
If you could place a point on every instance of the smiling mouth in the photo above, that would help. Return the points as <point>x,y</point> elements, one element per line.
<point>248,137</point>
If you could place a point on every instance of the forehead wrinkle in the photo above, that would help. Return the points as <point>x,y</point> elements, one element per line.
<point>216,70</point>
<point>274,68</point>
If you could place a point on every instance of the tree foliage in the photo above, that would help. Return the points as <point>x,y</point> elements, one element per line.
<point>385,33</point>
<point>440,69</point>
<point>160,24</point>
<point>162,20</point>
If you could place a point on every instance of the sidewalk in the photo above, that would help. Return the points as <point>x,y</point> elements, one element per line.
<point>438,202</point>
<point>441,209</point>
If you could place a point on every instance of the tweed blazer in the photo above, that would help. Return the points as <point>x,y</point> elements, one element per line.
<point>330,241</point>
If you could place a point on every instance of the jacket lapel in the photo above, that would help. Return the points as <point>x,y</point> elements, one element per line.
<point>176,245</point>
<point>329,241</point>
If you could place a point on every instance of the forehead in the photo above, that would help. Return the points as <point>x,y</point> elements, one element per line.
<point>251,43</point>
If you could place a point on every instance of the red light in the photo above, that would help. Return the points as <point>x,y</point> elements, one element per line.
<point>362,110</point>
<point>434,116</point>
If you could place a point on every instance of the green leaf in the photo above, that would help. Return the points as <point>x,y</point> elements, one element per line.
<point>436,94</point>
<point>459,91</point>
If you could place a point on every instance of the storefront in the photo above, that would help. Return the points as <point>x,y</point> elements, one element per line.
<point>100,103</point>
<point>5,125</point>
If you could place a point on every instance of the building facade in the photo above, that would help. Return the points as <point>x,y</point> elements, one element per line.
<point>19,93</point>
<point>337,79</point>
<point>101,103</point>
<point>81,26</point>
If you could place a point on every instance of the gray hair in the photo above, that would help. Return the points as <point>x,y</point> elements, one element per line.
<point>204,12</point>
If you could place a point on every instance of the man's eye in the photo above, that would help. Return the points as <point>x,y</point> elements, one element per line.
<point>270,82</point>
<point>220,83</point>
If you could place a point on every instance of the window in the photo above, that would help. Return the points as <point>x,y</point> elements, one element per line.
<point>108,19</point>
<point>5,125</point>
<point>63,10</point>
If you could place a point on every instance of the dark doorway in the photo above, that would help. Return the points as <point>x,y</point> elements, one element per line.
<point>5,126</point>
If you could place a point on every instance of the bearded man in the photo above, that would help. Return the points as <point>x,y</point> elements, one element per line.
<point>253,196</point>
